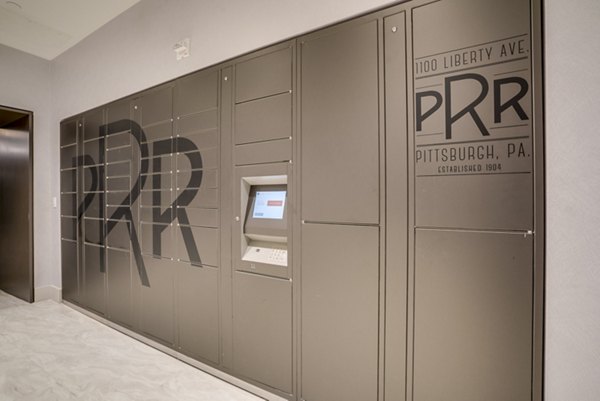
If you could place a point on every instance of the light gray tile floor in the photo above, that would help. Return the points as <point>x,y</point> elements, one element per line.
<point>49,352</point>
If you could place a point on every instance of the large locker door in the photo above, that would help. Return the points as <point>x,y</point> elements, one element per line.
<point>340,126</point>
<point>473,316</point>
<point>340,304</point>
<point>262,329</point>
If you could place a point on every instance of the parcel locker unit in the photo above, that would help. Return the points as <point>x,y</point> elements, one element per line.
<point>195,215</point>
<point>355,213</point>
<point>340,208</point>
<point>263,198</point>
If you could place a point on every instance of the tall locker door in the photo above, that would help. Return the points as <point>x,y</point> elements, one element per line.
<point>68,211</point>
<point>473,316</point>
<point>397,206</point>
<point>340,285</point>
<point>340,164</point>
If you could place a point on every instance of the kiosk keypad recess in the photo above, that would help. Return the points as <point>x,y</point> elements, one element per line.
<point>265,227</point>
<point>270,256</point>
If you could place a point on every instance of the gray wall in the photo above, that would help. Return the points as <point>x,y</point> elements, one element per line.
<point>573,199</point>
<point>25,84</point>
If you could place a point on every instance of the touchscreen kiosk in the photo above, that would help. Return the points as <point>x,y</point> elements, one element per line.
<point>265,225</point>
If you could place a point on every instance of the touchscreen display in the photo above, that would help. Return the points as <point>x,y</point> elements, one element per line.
<point>269,205</point>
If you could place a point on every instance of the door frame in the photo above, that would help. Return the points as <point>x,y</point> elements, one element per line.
<point>31,197</point>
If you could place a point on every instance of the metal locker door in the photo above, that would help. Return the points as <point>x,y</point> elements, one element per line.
<point>262,329</point>
<point>473,316</point>
<point>340,121</point>
<point>198,311</point>
<point>340,308</point>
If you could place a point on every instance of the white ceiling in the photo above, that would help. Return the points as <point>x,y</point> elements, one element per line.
<point>46,28</point>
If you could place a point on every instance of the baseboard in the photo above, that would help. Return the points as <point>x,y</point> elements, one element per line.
<point>48,292</point>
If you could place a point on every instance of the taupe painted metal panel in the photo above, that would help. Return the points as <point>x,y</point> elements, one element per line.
<point>164,178</point>
<point>201,123</point>
<point>116,198</point>
<point>264,119</point>
<point>209,179</point>
<point>118,289</point>
<point>196,92</point>
<point>118,169</point>
<point>119,236</point>
<point>340,304</point>
<point>262,330</point>
<point>473,133</point>
<point>209,159</point>
<point>93,278</point>
<point>166,240</point>
<point>115,141</point>
<point>203,217</point>
<point>207,243</point>
<point>67,156</point>
<point>68,204</point>
<point>198,311</point>
<point>118,154</point>
<point>500,202</point>
<point>94,148</point>
<point>118,184</point>
<point>95,208</point>
<point>206,139</point>
<point>68,228</point>
<point>68,133</point>
<point>157,131</point>
<point>263,152</point>
<point>473,321</point>
<point>164,196</point>
<point>92,123</point>
<point>157,301</point>
<point>93,179</point>
<point>94,231</point>
<point>340,120</point>
<point>204,198</point>
<point>396,224</point>
<point>68,180</point>
<point>265,75</point>
<point>70,275</point>
<point>156,106</point>
<point>119,110</point>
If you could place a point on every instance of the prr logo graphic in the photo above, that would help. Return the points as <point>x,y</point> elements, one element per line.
<point>124,213</point>
<point>451,116</point>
